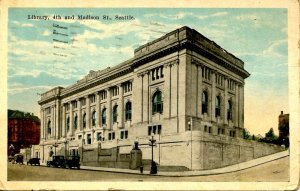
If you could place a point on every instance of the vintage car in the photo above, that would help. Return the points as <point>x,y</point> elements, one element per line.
<point>35,161</point>
<point>57,161</point>
<point>18,159</point>
<point>73,161</point>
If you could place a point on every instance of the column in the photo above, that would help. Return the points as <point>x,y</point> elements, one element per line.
<point>236,105</point>
<point>79,114</point>
<point>71,119</point>
<point>167,88</point>
<point>63,120</point>
<point>213,95</point>
<point>121,107</point>
<point>57,119</point>
<point>225,100</point>
<point>108,112</point>
<point>45,124</point>
<point>88,111</point>
<point>52,122</point>
<point>97,109</point>
<point>199,98</point>
<point>42,124</point>
<point>241,106</point>
<point>145,94</point>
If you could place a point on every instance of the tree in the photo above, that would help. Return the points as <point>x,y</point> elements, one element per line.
<point>246,134</point>
<point>271,135</point>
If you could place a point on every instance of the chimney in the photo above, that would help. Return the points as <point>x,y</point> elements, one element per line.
<point>281,113</point>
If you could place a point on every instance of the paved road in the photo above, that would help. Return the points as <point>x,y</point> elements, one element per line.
<point>273,171</point>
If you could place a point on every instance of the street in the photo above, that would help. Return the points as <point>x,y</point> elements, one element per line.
<point>275,171</point>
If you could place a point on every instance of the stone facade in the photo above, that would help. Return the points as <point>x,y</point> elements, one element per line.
<point>182,87</point>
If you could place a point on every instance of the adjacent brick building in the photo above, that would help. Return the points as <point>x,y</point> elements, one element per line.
<point>23,130</point>
<point>182,88</point>
<point>283,128</point>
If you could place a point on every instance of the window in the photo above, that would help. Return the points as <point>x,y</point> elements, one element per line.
<point>103,116</point>
<point>127,87</point>
<point>115,113</point>
<point>94,118</point>
<point>84,120</point>
<point>93,98</point>
<point>115,91</point>
<point>209,130</point>
<point>124,134</point>
<point>111,136</point>
<point>89,139</point>
<point>205,128</point>
<point>79,137</point>
<point>75,104</point>
<point>75,121</point>
<point>49,128</point>
<point>128,111</point>
<point>204,102</point>
<point>103,95</point>
<point>232,133</point>
<point>48,110</point>
<point>229,110</point>
<point>157,73</point>
<point>68,124</point>
<point>155,129</point>
<point>157,103</point>
<point>99,136</point>
<point>218,106</point>
<point>221,131</point>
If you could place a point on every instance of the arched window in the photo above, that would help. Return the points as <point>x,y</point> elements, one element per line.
<point>68,124</point>
<point>94,118</point>
<point>49,128</point>
<point>128,111</point>
<point>84,120</point>
<point>115,113</point>
<point>204,101</point>
<point>75,121</point>
<point>218,106</point>
<point>229,110</point>
<point>157,103</point>
<point>103,116</point>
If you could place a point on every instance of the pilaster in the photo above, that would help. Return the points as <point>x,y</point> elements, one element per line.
<point>226,106</point>
<point>71,119</point>
<point>63,120</point>
<point>98,109</point>
<point>121,106</point>
<point>109,113</point>
<point>213,95</point>
<point>88,112</point>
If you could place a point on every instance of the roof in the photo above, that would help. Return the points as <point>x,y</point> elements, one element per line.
<point>16,114</point>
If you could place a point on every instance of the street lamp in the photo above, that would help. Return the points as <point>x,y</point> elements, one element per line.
<point>153,164</point>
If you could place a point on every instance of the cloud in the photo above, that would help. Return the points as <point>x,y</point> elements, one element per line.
<point>22,24</point>
<point>218,14</point>
<point>274,48</point>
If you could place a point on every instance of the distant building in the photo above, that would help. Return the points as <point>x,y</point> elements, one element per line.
<point>23,130</point>
<point>283,126</point>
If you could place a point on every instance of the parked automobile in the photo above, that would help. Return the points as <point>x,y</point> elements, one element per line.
<point>73,161</point>
<point>35,161</point>
<point>57,161</point>
<point>18,159</point>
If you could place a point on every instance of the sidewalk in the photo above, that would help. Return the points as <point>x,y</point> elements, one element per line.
<point>232,168</point>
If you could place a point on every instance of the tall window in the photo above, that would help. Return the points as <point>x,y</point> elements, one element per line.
<point>68,124</point>
<point>204,102</point>
<point>103,116</point>
<point>128,111</point>
<point>89,139</point>
<point>49,128</point>
<point>75,121</point>
<point>84,120</point>
<point>94,118</point>
<point>157,103</point>
<point>115,113</point>
<point>229,110</point>
<point>218,106</point>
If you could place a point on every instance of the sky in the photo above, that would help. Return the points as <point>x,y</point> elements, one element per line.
<point>37,63</point>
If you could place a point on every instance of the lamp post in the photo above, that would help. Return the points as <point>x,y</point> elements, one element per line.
<point>153,164</point>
